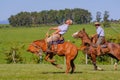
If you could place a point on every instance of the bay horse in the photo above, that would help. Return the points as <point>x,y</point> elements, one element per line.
<point>66,49</point>
<point>112,49</point>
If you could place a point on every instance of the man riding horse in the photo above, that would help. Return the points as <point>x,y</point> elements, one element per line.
<point>57,35</point>
<point>100,37</point>
<point>66,49</point>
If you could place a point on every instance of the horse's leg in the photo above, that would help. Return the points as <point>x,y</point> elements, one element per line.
<point>116,65</point>
<point>47,58</point>
<point>67,64</point>
<point>72,65</point>
<point>54,64</point>
<point>93,58</point>
<point>82,47</point>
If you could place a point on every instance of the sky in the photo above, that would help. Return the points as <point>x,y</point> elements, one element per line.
<point>12,7</point>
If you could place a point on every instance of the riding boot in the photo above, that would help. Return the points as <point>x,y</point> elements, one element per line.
<point>49,47</point>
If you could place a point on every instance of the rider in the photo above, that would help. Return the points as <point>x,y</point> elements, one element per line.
<point>100,35</point>
<point>57,34</point>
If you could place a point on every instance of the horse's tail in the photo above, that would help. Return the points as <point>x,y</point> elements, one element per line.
<point>81,48</point>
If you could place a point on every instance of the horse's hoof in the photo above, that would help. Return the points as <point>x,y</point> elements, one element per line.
<point>58,66</point>
<point>100,69</point>
<point>115,66</point>
<point>52,61</point>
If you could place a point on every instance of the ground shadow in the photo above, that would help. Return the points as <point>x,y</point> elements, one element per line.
<point>59,73</point>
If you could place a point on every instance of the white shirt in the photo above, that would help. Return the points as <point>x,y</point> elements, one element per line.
<point>100,31</point>
<point>63,28</point>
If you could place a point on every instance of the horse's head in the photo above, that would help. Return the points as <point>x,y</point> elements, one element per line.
<point>36,46</point>
<point>83,36</point>
<point>33,48</point>
<point>79,34</point>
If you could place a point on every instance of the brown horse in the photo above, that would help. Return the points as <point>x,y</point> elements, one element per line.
<point>66,49</point>
<point>112,49</point>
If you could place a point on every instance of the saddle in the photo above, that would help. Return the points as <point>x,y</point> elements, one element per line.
<point>102,45</point>
<point>58,42</point>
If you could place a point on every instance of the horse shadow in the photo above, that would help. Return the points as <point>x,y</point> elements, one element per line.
<point>60,72</point>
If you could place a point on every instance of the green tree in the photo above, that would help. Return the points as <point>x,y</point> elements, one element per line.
<point>79,16</point>
<point>98,16</point>
<point>106,22</point>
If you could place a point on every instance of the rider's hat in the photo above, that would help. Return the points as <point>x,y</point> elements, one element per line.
<point>97,23</point>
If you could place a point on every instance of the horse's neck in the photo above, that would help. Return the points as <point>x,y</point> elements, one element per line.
<point>86,39</point>
<point>42,44</point>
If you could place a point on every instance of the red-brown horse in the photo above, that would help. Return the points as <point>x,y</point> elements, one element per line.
<point>66,49</point>
<point>112,49</point>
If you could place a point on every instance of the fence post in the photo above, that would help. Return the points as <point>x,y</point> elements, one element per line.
<point>111,61</point>
<point>86,59</point>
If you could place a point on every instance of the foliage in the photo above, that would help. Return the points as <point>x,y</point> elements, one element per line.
<point>114,39</point>
<point>78,15</point>
<point>37,59</point>
<point>98,16</point>
<point>13,56</point>
<point>4,26</point>
<point>106,22</point>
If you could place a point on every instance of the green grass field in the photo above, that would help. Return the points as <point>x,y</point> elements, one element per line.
<point>49,72</point>
<point>15,37</point>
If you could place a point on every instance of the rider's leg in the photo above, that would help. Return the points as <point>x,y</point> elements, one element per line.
<point>98,43</point>
<point>51,39</point>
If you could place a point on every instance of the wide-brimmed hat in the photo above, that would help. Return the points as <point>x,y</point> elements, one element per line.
<point>97,23</point>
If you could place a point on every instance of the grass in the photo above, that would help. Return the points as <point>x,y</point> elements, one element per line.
<point>49,72</point>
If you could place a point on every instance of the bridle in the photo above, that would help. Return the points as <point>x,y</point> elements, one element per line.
<point>38,47</point>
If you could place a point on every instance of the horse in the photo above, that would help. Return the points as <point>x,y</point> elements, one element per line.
<point>66,49</point>
<point>112,49</point>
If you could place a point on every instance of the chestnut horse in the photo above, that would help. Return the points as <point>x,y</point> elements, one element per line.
<point>66,49</point>
<point>112,49</point>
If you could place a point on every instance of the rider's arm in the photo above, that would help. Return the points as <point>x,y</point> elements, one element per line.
<point>94,35</point>
<point>57,30</point>
<point>53,28</point>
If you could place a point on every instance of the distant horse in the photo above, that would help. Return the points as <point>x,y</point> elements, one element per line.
<point>66,49</point>
<point>112,49</point>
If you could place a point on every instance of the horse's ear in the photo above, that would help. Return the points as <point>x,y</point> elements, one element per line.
<point>83,29</point>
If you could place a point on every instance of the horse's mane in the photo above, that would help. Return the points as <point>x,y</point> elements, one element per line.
<point>86,35</point>
<point>41,40</point>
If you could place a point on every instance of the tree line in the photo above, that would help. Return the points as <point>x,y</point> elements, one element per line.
<point>79,16</point>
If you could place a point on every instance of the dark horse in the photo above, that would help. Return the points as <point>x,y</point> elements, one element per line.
<point>112,49</point>
<point>66,49</point>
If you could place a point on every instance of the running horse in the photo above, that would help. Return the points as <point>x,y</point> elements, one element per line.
<point>111,49</point>
<point>66,49</point>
